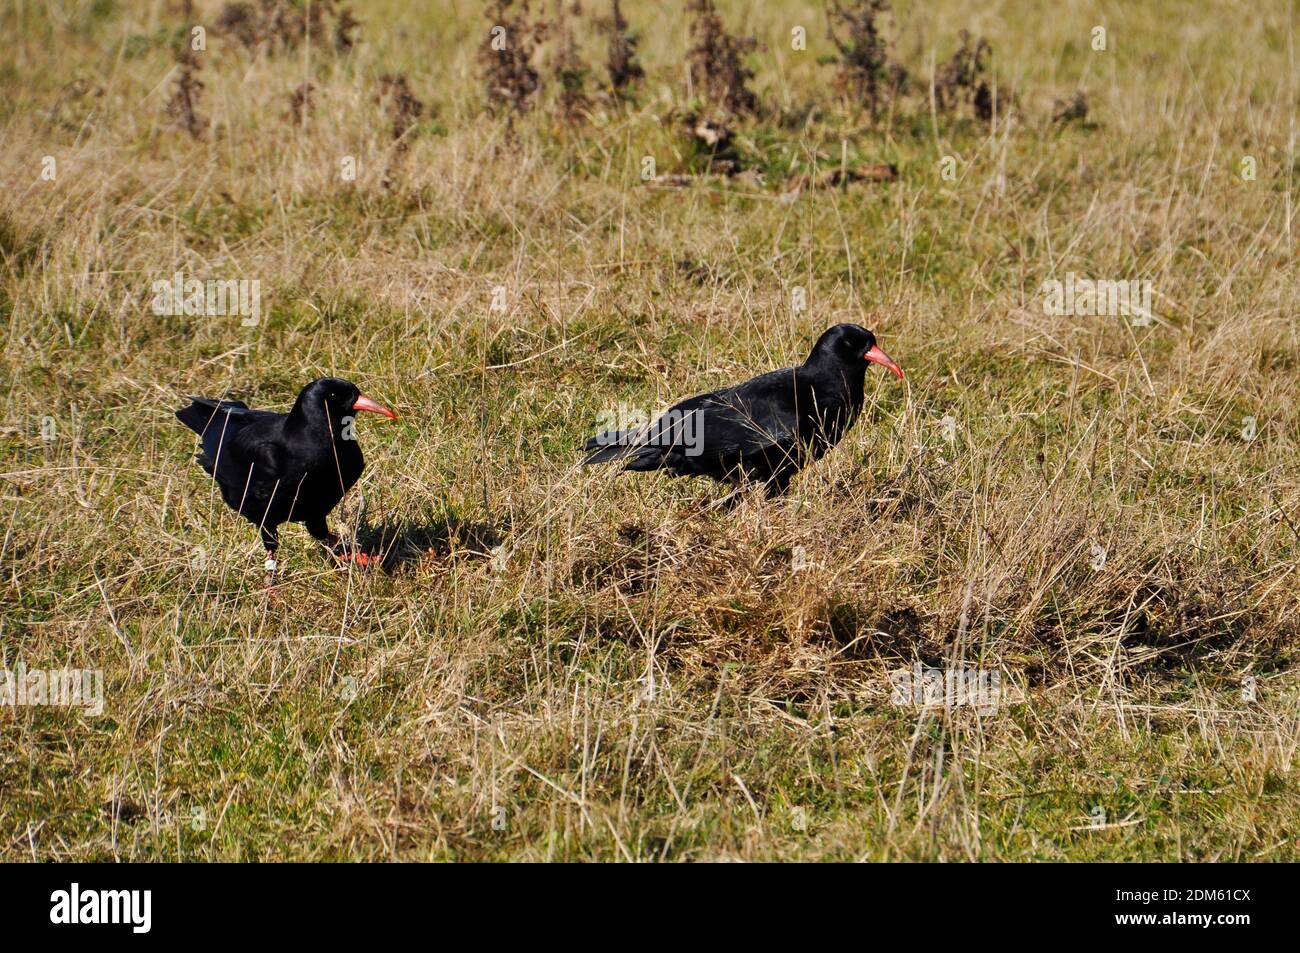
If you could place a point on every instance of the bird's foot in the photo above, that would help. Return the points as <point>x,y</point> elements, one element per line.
<point>272,592</point>
<point>344,555</point>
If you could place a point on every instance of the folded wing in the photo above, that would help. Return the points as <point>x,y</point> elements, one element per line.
<point>218,423</point>
<point>753,419</point>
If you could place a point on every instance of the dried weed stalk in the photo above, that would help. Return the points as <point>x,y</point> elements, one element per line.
<point>570,71</point>
<point>965,81</point>
<point>183,105</point>
<point>280,25</point>
<point>345,26</point>
<point>866,74</point>
<point>1074,109</point>
<point>404,109</point>
<point>716,59</point>
<point>301,103</point>
<point>506,55</point>
<point>620,56</point>
<point>241,22</point>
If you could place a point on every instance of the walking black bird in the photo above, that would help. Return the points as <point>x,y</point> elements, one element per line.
<point>276,468</point>
<point>762,431</point>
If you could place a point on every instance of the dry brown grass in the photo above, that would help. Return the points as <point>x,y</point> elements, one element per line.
<point>595,662</point>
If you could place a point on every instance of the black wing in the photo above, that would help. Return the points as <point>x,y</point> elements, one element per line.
<point>218,423</point>
<point>758,417</point>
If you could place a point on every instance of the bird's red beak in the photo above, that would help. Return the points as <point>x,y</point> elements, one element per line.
<point>374,406</point>
<point>877,356</point>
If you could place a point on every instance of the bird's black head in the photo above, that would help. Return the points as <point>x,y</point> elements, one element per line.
<point>850,345</point>
<point>331,399</point>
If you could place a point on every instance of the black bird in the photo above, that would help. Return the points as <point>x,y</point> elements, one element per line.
<point>277,468</point>
<point>762,431</point>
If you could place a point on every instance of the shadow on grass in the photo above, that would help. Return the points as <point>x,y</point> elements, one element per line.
<point>896,636</point>
<point>401,543</point>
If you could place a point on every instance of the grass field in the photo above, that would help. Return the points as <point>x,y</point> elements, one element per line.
<point>567,663</point>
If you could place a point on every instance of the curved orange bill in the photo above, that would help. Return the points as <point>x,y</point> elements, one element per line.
<point>374,406</point>
<point>877,356</point>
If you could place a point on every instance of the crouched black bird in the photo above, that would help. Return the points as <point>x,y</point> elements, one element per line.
<point>762,431</point>
<point>276,468</point>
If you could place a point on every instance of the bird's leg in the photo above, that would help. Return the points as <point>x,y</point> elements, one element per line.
<point>778,484</point>
<point>730,501</point>
<point>271,540</point>
<point>320,531</point>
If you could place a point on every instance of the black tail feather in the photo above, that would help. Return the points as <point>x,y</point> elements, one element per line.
<point>201,411</point>
<point>619,439</point>
<point>216,422</point>
<point>607,454</point>
<point>636,456</point>
<point>608,446</point>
